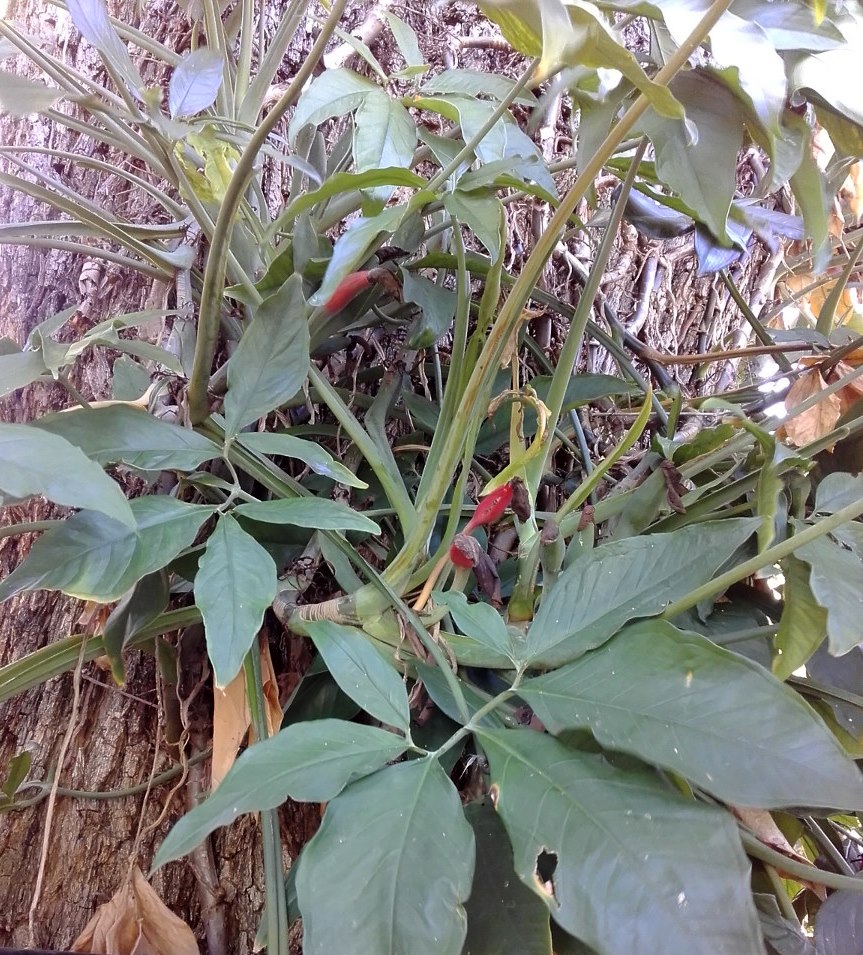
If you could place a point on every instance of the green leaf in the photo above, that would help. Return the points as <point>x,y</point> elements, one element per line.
<point>790,26</point>
<point>478,621</point>
<point>361,672</point>
<point>96,558</point>
<point>235,583</point>
<point>333,93</point>
<point>838,490</point>
<point>810,190</point>
<point>270,364</point>
<point>35,462</point>
<point>503,916</point>
<point>438,308</point>
<point>803,624</point>
<point>308,762</point>
<point>91,18</point>
<point>390,867</point>
<point>677,700</point>
<point>120,433</point>
<point>476,83</point>
<point>406,40</point>
<point>311,454</point>
<point>481,214</point>
<point>703,172</point>
<point>144,602</point>
<point>623,580</point>
<point>195,82</point>
<point>22,97</point>
<point>835,583</point>
<point>636,867</point>
<point>384,136</point>
<point>314,512</point>
<point>19,368</point>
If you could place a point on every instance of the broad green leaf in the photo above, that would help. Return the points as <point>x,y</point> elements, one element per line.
<point>503,916</point>
<point>810,190</point>
<point>476,83</point>
<point>120,433</point>
<point>96,558</point>
<point>437,306</point>
<point>835,582</point>
<point>572,34</point>
<point>308,762</point>
<point>129,379</point>
<point>19,368</point>
<point>195,82</point>
<point>481,214</point>
<point>91,18</point>
<point>315,512</point>
<point>637,867</point>
<point>823,77</point>
<point>803,624</point>
<point>621,581</point>
<point>314,455</point>
<point>35,462</point>
<point>439,690</point>
<point>22,97</point>
<point>479,621</point>
<point>333,93</point>
<point>836,491</point>
<point>235,583</point>
<point>144,602</point>
<point>474,653</point>
<point>390,868</point>
<point>789,26</point>
<point>361,672</point>
<point>679,701</point>
<point>837,924</point>
<point>270,364</point>
<point>703,172</point>
<point>384,135</point>
<point>354,246</point>
<point>406,40</point>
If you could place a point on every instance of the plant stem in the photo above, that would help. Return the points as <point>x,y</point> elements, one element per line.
<point>214,273</point>
<point>769,556</point>
<point>797,870</point>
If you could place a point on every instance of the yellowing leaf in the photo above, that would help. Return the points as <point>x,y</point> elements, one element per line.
<point>136,922</point>
<point>218,159</point>
<point>816,421</point>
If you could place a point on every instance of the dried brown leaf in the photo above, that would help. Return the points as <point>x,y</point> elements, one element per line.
<point>136,922</point>
<point>816,421</point>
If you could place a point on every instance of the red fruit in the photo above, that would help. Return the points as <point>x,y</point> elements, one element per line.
<point>491,507</point>
<point>347,290</point>
<point>465,551</point>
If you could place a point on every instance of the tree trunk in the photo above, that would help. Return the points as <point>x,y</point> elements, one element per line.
<point>91,843</point>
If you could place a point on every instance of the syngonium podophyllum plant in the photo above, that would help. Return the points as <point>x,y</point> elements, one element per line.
<point>606,753</point>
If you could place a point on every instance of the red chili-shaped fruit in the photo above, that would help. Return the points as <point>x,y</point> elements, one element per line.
<point>491,507</point>
<point>347,290</point>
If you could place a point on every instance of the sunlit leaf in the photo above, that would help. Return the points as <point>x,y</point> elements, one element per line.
<point>235,583</point>
<point>803,624</point>
<point>34,462</point>
<point>310,762</point>
<point>195,82</point>
<point>333,93</point>
<point>91,18</point>
<point>390,867</point>
<point>620,842</point>
<point>290,446</point>
<point>677,700</point>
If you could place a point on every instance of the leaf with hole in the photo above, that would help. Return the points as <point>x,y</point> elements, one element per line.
<point>390,868</point>
<point>362,672</point>
<point>308,762</point>
<point>599,843</point>
<point>96,558</point>
<point>35,462</point>
<point>122,434</point>
<point>677,700</point>
<point>617,582</point>
<point>235,583</point>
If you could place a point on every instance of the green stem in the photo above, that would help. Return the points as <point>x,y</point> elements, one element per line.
<point>474,722</point>
<point>797,870</point>
<point>277,915</point>
<point>761,332</point>
<point>214,273</point>
<point>770,556</point>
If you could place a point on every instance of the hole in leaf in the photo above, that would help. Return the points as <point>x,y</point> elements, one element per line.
<point>494,794</point>
<point>546,864</point>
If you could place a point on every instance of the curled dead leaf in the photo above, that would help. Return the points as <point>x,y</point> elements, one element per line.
<point>136,922</point>
<point>815,421</point>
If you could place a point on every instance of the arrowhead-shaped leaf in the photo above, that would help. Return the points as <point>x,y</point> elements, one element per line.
<point>681,702</point>
<point>621,581</point>
<point>120,433</point>
<point>636,868</point>
<point>96,558</point>
<point>308,762</point>
<point>33,462</point>
<point>390,868</point>
<point>362,672</point>
<point>272,359</point>
<point>235,583</point>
